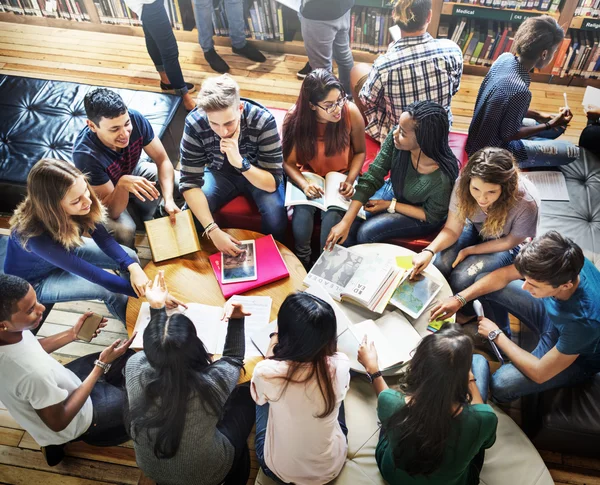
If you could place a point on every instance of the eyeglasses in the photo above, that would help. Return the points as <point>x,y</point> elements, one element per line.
<point>339,103</point>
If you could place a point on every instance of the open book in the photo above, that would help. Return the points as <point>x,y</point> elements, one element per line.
<point>330,185</point>
<point>172,240</point>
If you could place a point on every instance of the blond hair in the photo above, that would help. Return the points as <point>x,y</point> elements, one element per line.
<point>218,93</point>
<point>41,211</point>
<point>411,15</point>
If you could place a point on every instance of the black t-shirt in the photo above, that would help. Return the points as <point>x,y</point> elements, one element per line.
<point>325,9</point>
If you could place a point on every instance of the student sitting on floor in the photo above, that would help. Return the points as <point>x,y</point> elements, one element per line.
<point>47,249</point>
<point>57,404</point>
<point>231,147</point>
<point>559,300</point>
<point>591,133</point>
<point>188,420</point>
<point>108,151</point>
<point>414,201</point>
<point>492,211</point>
<point>299,391</point>
<point>502,117</point>
<point>436,427</point>
<point>416,67</point>
<point>322,133</point>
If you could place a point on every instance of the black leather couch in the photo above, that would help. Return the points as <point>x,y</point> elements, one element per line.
<point>40,118</point>
<point>567,420</point>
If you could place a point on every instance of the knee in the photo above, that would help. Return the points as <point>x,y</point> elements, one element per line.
<point>480,363</point>
<point>504,384</point>
<point>131,253</point>
<point>460,279</point>
<point>124,234</point>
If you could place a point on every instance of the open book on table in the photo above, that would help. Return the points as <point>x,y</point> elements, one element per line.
<point>330,185</point>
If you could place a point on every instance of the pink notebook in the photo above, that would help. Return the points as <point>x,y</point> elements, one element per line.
<point>270,267</point>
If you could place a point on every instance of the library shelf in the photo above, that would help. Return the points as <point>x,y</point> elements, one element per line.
<point>492,13</point>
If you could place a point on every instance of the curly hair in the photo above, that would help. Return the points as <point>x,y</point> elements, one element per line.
<point>493,166</point>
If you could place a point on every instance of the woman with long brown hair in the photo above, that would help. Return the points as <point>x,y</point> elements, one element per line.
<point>299,391</point>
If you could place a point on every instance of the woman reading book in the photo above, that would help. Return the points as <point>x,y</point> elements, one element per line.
<point>414,202</point>
<point>305,378</point>
<point>47,248</point>
<point>323,132</point>
<point>436,427</point>
<point>184,409</point>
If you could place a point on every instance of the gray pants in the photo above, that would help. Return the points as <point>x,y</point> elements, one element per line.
<point>327,39</point>
<point>123,227</point>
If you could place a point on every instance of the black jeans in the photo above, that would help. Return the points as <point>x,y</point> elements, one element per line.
<point>162,45</point>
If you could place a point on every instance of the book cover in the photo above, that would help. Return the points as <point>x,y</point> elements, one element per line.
<point>413,296</point>
<point>333,270</point>
<point>170,241</point>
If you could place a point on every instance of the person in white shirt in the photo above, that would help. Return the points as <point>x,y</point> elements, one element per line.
<point>49,400</point>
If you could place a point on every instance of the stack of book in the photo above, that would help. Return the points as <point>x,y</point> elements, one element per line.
<point>543,5</point>
<point>588,8</point>
<point>63,9</point>
<point>369,29</point>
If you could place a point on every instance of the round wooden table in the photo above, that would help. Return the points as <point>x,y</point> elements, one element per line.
<point>191,278</point>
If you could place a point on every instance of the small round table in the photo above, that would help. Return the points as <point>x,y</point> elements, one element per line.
<point>191,278</point>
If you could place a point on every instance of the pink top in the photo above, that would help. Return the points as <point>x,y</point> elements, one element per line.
<point>299,447</point>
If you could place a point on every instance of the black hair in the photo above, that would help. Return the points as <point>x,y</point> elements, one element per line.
<point>436,380</point>
<point>536,35</point>
<point>550,258</point>
<point>307,330</point>
<point>411,15</point>
<point>12,290</point>
<point>180,371</point>
<point>103,103</point>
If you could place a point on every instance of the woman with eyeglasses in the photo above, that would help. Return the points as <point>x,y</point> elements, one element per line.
<point>414,201</point>
<point>323,132</point>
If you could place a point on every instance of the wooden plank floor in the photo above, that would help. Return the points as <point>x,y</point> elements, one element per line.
<point>121,61</point>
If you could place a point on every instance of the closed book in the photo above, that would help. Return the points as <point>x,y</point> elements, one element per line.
<point>470,48</point>
<point>270,267</point>
<point>478,49</point>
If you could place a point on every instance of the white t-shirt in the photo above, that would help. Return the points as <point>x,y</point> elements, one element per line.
<point>137,5</point>
<point>300,447</point>
<point>31,379</point>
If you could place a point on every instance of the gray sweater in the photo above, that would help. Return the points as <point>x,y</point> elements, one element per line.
<point>205,456</point>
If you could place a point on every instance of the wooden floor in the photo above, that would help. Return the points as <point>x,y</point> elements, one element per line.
<point>121,61</point>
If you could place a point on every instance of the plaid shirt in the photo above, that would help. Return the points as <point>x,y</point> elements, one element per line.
<point>413,69</point>
<point>259,143</point>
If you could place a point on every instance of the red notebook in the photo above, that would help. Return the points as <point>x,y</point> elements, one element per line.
<point>270,267</point>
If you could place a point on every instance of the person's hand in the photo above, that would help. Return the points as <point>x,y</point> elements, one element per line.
<point>445,310</point>
<point>420,261</point>
<point>224,242</point>
<point>313,191</point>
<point>171,302</point>
<point>234,309</point>
<point>230,147</point>
<point>141,187</point>
<point>115,350</point>
<point>375,206</point>
<point>171,209</point>
<point>156,291</point>
<point>563,118</point>
<point>367,356</point>
<point>75,329</point>
<point>486,326</point>
<point>346,189</point>
<point>337,235</point>
<point>138,279</point>
<point>462,254</point>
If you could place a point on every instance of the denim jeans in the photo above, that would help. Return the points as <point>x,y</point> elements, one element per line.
<point>509,383</point>
<point>234,9</point>
<point>327,39</point>
<point>61,286</point>
<point>544,150</point>
<point>481,370</point>
<point>303,224</point>
<point>262,418</point>
<point>162,45</point>
<point>219,188</point>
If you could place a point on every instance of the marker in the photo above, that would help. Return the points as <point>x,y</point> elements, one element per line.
<point>566,102</point>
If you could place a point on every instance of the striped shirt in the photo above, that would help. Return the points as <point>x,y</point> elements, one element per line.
<point>418,68</point>
<point>502,103</point>
<point>259,143</point>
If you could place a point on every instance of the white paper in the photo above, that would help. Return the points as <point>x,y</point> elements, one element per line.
<point>260,337</point>
<point>260,309</point>
<point>591,97</point>
<point>550,185</point>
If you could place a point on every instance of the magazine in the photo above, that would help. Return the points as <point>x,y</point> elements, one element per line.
<point>413,296</point>
<point>331,198</point>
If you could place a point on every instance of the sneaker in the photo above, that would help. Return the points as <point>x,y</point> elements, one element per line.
<point>169,87</point>
<point>305,71</point>
<point>216,62</point>
<point>53,454</point>
<point>250,52</point>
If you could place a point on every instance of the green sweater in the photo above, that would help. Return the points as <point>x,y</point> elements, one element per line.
<point>431,191</point>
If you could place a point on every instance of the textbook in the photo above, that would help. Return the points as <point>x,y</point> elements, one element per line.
<point>172,240</point>
<point>330,185</point>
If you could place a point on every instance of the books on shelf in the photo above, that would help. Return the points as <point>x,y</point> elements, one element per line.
<point>172,240</point>
<point>587,8</point>
<point>542,5</point>
<point>62,9</point>
<point>370,29</point>
<point>578,55</point>
<point>263,20</point>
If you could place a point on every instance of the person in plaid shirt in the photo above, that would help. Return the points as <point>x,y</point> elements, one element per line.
<point>416,67</point>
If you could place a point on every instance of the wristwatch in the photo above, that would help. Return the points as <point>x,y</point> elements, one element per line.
<point>245,166</point>
<point>103,365</point>
<point>392,208</point>
<point>373,376</point>
<point>494,334</point>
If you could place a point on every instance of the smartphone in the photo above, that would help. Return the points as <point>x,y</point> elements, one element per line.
<point>89,327</point>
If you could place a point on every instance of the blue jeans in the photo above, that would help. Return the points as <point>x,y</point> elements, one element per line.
<point>234,9</point>
<point>161,44</point>
<point>303,224</point>
<point>481,370</point>
<point>509,383</point>
<point>61,286</point>
<point>262,418</point>
<point>544,150</point>
<point>219,188</point>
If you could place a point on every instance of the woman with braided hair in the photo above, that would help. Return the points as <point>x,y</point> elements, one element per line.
<point>422,171</point>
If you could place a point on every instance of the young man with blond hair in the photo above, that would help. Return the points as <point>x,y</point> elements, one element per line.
<point>231,146</point>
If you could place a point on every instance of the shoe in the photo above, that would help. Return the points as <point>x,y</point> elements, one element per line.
<point>168,87</point>
<point>53,454</point>
<point>216,62</point>
<point>250,52</point>
<point>305,71</point>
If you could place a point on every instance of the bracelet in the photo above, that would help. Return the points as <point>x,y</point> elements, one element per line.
<point>273,334</point>
<point>103,365</point>
<point>207,228</point>
<point>460,298</point>
<point>429,251</point>
<point>392,208</point>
